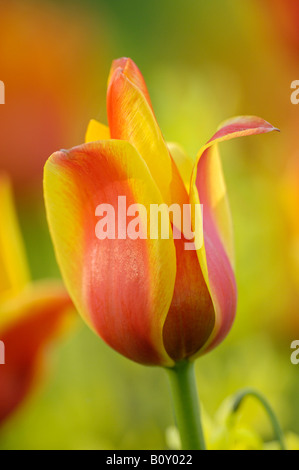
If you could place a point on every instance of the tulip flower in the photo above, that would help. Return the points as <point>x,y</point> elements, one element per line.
<point>31,313</point>
<point>149,299</point>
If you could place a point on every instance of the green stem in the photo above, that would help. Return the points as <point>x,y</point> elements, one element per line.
<point>239,397</point>
<point>186,406</point>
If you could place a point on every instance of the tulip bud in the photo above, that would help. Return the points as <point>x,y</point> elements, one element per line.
<point>149,299</point>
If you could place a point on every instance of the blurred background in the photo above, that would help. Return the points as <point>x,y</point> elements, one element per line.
<point>203,62</point>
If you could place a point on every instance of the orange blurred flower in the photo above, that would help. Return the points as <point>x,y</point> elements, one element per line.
<point>44,65</point>
<point>31,313</point>
<point>285,14</point>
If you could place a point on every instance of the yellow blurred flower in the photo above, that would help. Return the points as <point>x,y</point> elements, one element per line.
<point>228,431</point>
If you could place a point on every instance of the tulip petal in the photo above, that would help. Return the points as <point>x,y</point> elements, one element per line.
<point>14,271</point>
<point>28,322</point>
<point>130,70</point>
<point>96,131</point>
<point>183,161</point>
<point>191,317</point>
<point>131,118</point>
<point>216,257</point>
<point>122,287</point>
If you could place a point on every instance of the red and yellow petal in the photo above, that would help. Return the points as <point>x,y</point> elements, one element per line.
<point>191,317</point>
<point>183,161</point>
<point>96,131</point>
<point>216,257</point>
<point>122,287</point>
<point>131,119</point>
<point>128,67</point>
<point>28,323</point>
<point>14,271</point>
